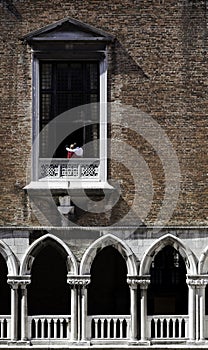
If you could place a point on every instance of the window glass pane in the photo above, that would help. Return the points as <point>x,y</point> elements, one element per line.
<point>92,76</point>
<point>62,76</point>
<point>46,76</point>
<point>62,103</point>
<point>46,108</point>
<point>76,77</point>
<point>66,85</point>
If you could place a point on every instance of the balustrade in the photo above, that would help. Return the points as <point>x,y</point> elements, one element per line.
<point>49,327</point>
<point>84,168</point>
<point>109,327</point>
<point>167,327</point>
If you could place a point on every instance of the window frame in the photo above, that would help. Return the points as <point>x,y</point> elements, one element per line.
<point>69,39</point>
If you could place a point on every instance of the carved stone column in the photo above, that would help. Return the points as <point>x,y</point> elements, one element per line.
<point>199,282</point>
<point>83,285</point>
<point>191,282</point>
<point>73,281</point>
<point>144,283</point>
<point>78,304</point>
<point>24,309</point>
<point>133,283</point>
<point>14,284</point>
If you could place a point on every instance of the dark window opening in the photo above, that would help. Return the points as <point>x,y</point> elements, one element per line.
<point>206,300</point>
<point>49,293</point>
<point>63,86</point>
<point>108,292</point>
<point>5,290</point>
<point>168,291</point>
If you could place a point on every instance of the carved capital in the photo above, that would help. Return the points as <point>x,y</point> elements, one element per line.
<point>16,281</point>
<point>197,281</point>
<point>142,281</point>
<point>82,281</point>
<point>14,284</point>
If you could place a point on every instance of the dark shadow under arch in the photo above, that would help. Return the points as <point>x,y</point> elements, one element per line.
<point>108,292</point>
<point>168,291</point>
<point>5,291</point>
<point>49,293</point>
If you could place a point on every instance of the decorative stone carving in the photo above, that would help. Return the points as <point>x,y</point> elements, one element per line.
<point>82,281</point>
<point>16,281</point>
<point>143,281</point>
<point>197,281</point>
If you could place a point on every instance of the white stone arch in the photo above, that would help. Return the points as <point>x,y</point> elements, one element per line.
<point>31,253</point>
<point>11,260</point>
<point>203,262</point>
<point>184,251</point>
<point>105,241</point>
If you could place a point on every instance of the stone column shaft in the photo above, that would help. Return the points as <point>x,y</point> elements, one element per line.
<point>14,311</point>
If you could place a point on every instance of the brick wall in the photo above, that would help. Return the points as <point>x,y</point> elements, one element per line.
<point>157,64</point>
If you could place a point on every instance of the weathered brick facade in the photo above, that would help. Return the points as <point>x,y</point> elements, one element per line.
<point>158,63</point>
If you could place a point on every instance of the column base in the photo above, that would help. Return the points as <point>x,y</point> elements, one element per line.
<point>191,341</point>
<point>144,342</point>
<point>19,342</point>
<point>201,341</point>
<point>83,343</point>
<point>133,342</point>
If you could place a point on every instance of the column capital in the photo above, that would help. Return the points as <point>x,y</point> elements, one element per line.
<point>78,280</point>
<point>199,281</point>
<point>143,281</point>
<point>16,281</point>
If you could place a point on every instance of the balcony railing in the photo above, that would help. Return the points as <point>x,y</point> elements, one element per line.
<point>72,169</point>
<point>49,327</point>
<point>167,327</point>
<point>109,327</point>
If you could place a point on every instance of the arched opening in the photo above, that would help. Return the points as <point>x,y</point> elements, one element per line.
<point>108,290</point>
<point>168,291</point>
<point>5,293</point>
<point>48,293</point>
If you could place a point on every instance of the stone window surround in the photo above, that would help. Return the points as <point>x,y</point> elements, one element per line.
<point>69,49</point>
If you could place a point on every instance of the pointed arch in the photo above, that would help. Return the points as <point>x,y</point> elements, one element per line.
<point>185,252</point>
<point>33,250</point>
<point>11,260</point>
<point>102,242</point>
<point>203,262</point>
